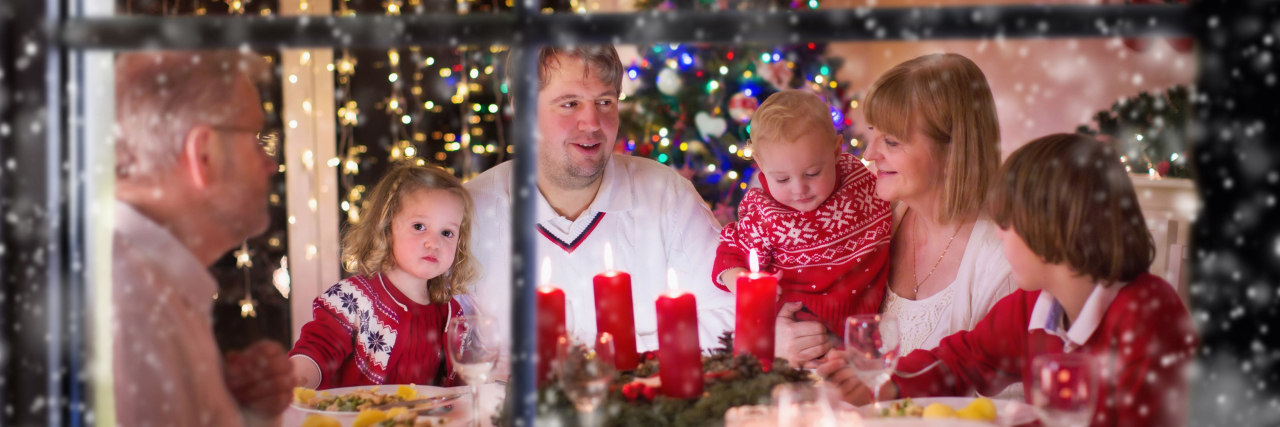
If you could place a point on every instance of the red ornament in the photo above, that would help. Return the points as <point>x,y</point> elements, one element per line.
<point>644,150</point>
<point>741,107</point>
<point>1162,168</point>
<point>649,392</point>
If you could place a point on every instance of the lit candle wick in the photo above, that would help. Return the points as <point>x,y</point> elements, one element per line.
<point>671,279</point>
<point>608,257</point>
<point>755,262</point>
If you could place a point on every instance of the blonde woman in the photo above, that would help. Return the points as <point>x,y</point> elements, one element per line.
<point>935,149</point>
<point>412,264</point>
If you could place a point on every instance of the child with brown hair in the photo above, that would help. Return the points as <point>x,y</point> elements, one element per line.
<point>410,255</point>
<point>1079,247</point>
<point>816,223</point>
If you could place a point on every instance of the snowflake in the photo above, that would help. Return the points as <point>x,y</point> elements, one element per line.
<point>375,342</point>
<point>349,302</point>
<point>333,291</point>
<point>364,322</point>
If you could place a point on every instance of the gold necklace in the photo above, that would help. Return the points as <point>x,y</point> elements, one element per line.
<point>916,230</point>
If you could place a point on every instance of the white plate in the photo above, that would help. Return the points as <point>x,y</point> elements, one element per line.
<point>1008,412</point>
<point>490,397</point>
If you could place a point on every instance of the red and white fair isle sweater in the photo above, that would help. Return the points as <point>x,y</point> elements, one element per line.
<point>1144,342</point>
<point>834,259</point>
<point>364,331</point>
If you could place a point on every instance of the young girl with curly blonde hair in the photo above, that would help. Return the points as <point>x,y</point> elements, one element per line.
<point>410,258</point>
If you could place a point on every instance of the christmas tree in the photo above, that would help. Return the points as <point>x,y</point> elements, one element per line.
<point>689,105</point>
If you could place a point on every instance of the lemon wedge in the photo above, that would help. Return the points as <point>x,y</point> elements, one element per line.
<point>984,406</point>
<point>938,410</point>
<point>320,421</point>
<point>407,392</point>
<point>971,413</point>
<point>369,417</point>
<point>303,395</point>
<point>395,412</point>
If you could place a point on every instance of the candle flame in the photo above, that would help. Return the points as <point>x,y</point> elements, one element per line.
<point>608,257</point>
<point>546,270</point>
<point>755,262</point>
<point>671,279</point>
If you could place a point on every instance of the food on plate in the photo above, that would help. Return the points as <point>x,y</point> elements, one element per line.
<point>986,407</point>
<point>320,421</point>
<point>303,394</point>
<point>902,409</point>
<point>369,417</point>
<point>407,392</point>
<point>353,401</point>
<point>938,410</point>
<point>980,409</point>
<point>394,417</point>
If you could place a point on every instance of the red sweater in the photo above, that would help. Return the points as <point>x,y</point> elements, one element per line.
<point>366,332</point>
<point>1144,342</point>
<point>834,259</point>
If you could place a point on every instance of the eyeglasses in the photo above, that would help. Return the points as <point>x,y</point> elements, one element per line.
<point>269,140</point>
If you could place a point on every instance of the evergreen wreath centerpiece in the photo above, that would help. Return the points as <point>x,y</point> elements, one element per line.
<point>635,397</point>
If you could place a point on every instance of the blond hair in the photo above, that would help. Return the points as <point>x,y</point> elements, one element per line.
<point>1070,199</point>
<point>946,98</point>
<point>366,245</point>
<point>788,114</point>
<point>161,95</point>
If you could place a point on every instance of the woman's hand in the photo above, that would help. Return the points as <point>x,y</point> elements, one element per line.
<point>800,342</point>
<point>836,371</point>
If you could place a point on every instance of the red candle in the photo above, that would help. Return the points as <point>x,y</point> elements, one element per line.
<point>679,354</point>
<point>550,323</point>
<point>757,298</point>
<point>614,312</point>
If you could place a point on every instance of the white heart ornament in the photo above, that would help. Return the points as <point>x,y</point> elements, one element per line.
<point>708,126</point>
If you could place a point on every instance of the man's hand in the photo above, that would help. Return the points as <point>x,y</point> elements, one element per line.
<point>261,378</point>
<point>800,342</point>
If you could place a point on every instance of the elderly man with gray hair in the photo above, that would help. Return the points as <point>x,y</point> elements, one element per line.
<point>191,184</point>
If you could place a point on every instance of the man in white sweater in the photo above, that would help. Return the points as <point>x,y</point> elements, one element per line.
<point>650,215</point>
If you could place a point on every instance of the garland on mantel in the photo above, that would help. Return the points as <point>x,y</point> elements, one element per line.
<point>730,381</point>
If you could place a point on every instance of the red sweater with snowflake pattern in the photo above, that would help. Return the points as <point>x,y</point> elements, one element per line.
<point>834,259</point>
<point>1144,343</point>
<point>366,332</point>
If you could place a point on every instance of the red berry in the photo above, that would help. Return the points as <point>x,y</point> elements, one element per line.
<point>650,392</point>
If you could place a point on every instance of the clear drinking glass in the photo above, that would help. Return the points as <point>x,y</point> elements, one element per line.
<point>1064,388</point>
<point>474,343</point>
<point>871,347</point>
<point>585,372</point>
<point>805,404</point>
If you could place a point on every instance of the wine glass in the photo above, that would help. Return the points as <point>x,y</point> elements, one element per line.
<point>584,373</point>
<point>871,347</point>
<point>805,404</point>
<point>1064,388</point>
<point>474,344</point>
